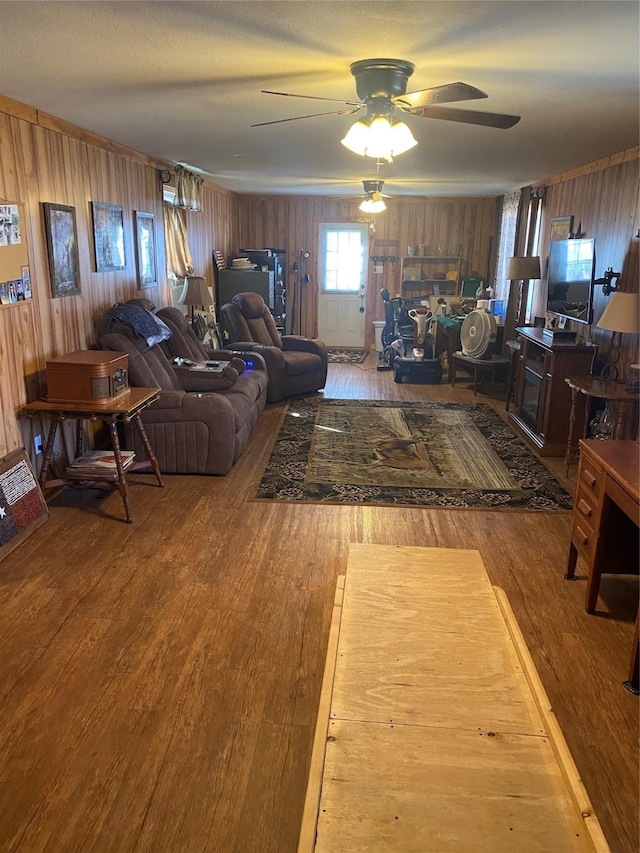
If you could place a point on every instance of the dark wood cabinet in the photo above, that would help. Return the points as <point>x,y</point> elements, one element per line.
<point>542,397</point>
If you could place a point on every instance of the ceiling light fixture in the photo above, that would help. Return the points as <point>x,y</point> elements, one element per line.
<point>373,203</point>
<point>380,137</point>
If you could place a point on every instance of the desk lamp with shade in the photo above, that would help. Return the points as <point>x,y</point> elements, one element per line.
<point>619,317</point>
<point>196,292</point>
<point>523,269</point>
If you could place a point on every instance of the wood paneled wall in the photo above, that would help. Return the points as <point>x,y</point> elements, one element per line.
<point>604,201</point>
<point>292,223</point>
<point>44,160</point>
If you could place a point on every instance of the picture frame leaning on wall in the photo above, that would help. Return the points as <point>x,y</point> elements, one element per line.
<point>62,248</point>
<point>561,228</point>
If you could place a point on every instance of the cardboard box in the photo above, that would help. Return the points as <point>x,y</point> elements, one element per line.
<point>88,376</point>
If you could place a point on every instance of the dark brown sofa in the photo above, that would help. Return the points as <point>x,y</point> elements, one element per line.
<point>296,365</point>
<point>201,422</point>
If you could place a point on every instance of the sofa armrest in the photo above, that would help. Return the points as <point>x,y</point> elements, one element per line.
<point>293,343</point>
<point>250,357</point>
<point>194,379</point>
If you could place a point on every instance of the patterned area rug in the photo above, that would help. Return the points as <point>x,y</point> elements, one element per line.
<point>347,356</point>
<point>405,454</point>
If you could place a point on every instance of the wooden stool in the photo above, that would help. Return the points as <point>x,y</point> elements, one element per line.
<point>497,365</point>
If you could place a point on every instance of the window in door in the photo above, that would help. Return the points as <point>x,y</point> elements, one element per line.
<point>343,252</point>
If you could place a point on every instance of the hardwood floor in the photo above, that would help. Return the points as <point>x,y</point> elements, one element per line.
<point>159,681</point>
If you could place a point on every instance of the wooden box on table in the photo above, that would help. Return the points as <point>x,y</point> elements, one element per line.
<point>87,376</point>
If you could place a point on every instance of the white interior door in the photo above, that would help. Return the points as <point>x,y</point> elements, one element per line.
<point>343,253</point>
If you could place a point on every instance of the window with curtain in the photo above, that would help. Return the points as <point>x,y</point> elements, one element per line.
<point>188,189</point>
<point>179,260</point>
<point>506,242</point>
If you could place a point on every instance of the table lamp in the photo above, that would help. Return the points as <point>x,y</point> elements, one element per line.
<point>523,269</point>
<point>619,317</point>
<point>196,292</point>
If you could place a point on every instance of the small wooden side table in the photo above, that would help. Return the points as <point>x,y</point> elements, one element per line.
<point>498,366</point>
<point>124,409</point>
<point>595,387</point>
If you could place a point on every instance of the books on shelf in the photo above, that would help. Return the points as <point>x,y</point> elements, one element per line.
<point>100,460</point>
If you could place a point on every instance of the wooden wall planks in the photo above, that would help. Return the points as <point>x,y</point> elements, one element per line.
<point>41,164</point>
<point>293,223</point>
<point>607,206</point>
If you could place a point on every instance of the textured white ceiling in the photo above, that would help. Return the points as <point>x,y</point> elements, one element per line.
<point>181,81</point>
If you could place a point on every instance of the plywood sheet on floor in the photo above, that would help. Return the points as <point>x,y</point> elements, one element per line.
<point>434,740</point>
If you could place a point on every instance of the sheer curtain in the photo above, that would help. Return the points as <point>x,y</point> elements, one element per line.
<point>506,242</point>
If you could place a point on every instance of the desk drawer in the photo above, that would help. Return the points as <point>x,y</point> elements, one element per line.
<point>586,509</point>
<point>584,538</point>
<point>590,477</point>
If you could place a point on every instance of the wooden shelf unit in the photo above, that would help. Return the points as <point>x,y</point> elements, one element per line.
<point>418,271</point>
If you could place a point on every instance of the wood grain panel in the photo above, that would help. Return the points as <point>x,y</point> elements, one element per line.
<point>41,164</point>
<point>603,198</point>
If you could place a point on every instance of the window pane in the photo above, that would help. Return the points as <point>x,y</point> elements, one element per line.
<point>343,259</point>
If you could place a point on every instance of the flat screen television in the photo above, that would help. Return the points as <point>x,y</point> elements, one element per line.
<point>570,279</point>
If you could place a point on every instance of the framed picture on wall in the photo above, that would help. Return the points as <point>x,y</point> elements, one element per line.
<point>62,247</point>
<point>561,228</point>
<point>108,236</point>
<point>145,249</point>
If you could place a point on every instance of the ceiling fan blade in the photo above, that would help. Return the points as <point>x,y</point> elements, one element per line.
<point>313,98</point>
<point>312,115</point>
<point>439,95</point>
<point>498,120</point>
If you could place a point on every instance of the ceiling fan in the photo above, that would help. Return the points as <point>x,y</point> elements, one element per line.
<point>381,86</point>
<point>373,199</point>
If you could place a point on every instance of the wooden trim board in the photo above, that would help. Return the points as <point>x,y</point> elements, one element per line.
<point>429,736</point>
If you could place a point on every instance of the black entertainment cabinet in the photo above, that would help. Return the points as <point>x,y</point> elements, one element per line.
<point>542,398</point>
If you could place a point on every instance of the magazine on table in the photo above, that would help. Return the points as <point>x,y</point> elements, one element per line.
<point>104,460</point>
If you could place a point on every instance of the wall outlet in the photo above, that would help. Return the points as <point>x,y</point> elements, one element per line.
<point>37,444</point>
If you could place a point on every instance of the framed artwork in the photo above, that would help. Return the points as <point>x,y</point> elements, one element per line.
<point>561,228</point>
<point>62,247</point>
<point>145,249</point>
<point>108,236</point>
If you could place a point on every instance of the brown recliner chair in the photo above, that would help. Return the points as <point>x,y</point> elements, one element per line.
<point>296,365</point>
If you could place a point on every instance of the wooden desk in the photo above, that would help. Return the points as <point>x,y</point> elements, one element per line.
<point>125,409</point>
<point>607,493</point>
<point>595,387</point>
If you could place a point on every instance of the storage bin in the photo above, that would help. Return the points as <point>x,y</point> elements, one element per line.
<point>378,326</point>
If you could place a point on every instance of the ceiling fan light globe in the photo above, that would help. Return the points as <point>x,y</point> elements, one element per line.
<point>379,143</point>
<point>401,138</point>
<point>356,138</point>
<point>371,205</point>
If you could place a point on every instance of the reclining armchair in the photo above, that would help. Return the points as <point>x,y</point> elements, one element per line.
<point>296,365</point>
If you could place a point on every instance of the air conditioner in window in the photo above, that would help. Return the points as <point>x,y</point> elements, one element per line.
<point>169,194</point>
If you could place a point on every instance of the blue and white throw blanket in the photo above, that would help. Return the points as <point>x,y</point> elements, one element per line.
<point>145,324</point>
